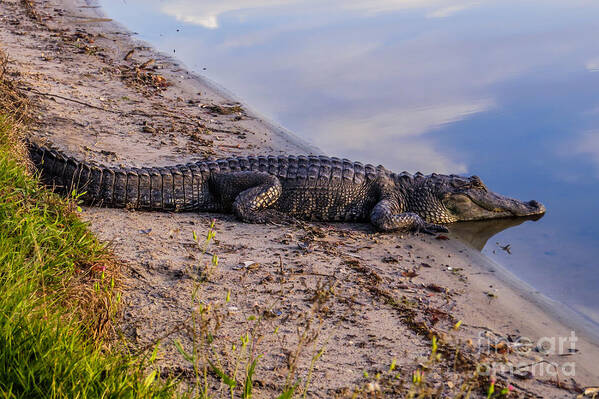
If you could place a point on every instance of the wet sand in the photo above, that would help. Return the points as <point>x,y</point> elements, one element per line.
<point>367,298</point>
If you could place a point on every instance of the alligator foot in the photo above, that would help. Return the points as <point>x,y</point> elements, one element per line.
<point>261,191</point>
<point>385,217</point>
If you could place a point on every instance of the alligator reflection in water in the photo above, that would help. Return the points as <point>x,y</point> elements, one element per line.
<point>477,233</point>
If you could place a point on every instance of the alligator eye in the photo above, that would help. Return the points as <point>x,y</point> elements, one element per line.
<point>459,183</point>
<point>476,182</point>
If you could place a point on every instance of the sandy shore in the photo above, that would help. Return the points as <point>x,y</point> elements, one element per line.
<point>369,299</point>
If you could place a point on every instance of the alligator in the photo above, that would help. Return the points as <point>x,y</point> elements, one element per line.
<point>261,189</point>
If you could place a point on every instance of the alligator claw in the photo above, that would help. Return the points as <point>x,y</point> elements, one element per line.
<point>432,229</point>
<point>439,228</point>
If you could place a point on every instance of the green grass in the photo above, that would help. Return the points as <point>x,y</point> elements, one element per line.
<point>56,297</point>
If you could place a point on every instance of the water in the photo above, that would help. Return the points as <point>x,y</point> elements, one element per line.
<point>507,90</point>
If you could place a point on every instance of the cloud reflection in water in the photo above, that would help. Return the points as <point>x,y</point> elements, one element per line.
<point>206,13</point>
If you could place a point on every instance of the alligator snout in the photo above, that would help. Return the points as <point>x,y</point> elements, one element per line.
<point>503,206</point>
<point>537,207</point>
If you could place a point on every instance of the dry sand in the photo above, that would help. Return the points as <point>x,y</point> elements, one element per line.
<point>366,298</point>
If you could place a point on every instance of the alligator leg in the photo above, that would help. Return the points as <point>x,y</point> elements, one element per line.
<point>251,194</point>
<point>385,216</point>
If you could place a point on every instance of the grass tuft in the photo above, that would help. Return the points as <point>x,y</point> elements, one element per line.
<point>57,284</point>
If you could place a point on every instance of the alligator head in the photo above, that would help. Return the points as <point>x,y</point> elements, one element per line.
<point>468,199</point>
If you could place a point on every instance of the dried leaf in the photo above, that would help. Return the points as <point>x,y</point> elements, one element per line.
<point>435,287</point>
<point>409,273</point>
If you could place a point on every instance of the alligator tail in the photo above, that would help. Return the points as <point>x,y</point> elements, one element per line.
<point>167,188</point>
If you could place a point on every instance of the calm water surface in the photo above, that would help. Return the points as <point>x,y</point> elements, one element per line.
<point>507,90</point>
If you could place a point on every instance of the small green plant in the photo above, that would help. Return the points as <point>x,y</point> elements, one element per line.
<point>502,393</point>
<point>491,389</point>
<point>235,369</point>
<point>205,324</point>
<point>315,358</point>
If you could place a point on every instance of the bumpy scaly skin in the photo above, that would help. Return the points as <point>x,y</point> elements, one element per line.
<point>259,189</point>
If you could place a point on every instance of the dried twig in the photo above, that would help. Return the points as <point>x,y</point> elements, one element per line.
<point>129,54</point>
<point>41,93</point>
<point>147,63</point>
